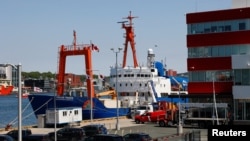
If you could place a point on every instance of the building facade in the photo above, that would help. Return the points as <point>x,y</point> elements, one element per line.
<point>218,61</point>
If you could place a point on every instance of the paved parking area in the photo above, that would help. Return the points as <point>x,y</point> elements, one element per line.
<point>129,126</point>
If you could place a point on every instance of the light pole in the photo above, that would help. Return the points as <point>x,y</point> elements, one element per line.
<point>19,102</point>
<point>19,69</point>
<point>55,135</point>
<point>117,107</point>
<point>179,127</point>
<point>91,98</point>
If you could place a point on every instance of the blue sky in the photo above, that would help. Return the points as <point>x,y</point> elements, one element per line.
<point>31,31</point>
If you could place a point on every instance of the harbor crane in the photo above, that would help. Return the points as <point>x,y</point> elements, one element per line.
<point>73,50</point>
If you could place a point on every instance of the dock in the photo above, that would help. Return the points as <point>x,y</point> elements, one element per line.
<point>127,126</point>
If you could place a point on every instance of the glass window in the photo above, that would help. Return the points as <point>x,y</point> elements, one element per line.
<point>214,29</point>
<point>221,29</point>
<point>242,26</point>
<point>242,49</point>
<point>219,26</point>
<point>227,28</point>
<point>200,28</point>
<point>234,25</point>
<point>237,77</point>
<point>221,51</point>
<point>215,51</point>
<point>227,50</point>
<point>235,50</point>
<point>245,77</point>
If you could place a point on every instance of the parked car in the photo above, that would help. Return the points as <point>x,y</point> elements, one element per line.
<point>105,137</point>
<point>37,137</point>
<point>94,129</point>
<point>68,134</point>
<point>14,133</point>
<point>137,137</point>
<point>6,138</point>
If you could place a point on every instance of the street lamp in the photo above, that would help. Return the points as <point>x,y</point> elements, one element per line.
<point>19,69</point>
<point>117,107</point>
<point>179,126</point>
<point>91,98</point>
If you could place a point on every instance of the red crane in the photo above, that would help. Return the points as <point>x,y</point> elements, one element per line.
<point>72,50</point>
<point>129,38</point>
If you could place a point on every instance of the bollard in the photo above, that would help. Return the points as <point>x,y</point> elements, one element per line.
<point>179,129</point>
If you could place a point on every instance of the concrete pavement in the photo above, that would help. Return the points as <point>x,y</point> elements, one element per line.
<point>129,126</point>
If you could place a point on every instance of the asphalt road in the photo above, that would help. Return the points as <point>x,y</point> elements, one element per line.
<point>161,133</point>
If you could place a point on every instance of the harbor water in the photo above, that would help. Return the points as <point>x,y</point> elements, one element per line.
<point>9,111</point>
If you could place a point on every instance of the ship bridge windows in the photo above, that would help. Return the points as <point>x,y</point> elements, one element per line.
<point>128,75</point>
<point>144,75</point>
<point>164,94</point>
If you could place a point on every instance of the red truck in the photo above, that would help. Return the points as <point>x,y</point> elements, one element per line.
<point>171,113</point>
<point>166,114</point>
<point>150,116</point>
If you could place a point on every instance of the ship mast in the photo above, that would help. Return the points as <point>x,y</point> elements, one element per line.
<point>129,39</point>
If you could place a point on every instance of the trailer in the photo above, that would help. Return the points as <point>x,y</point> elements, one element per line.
<point>204,115</point>
<point>63,116</point>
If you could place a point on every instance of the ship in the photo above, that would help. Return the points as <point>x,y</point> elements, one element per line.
<point>103,104</point>
<point>139,84</point>
<point>6,86</point>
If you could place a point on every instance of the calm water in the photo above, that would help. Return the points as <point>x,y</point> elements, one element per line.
<point>9,111</point>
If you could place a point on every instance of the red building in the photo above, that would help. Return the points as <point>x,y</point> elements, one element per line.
<point>218,61</point>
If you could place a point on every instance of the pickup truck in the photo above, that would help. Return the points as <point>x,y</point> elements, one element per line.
<point>149,116</point>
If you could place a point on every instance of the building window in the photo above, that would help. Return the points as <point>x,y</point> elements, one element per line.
<point>218,51</point>
<point>218,26</point>
<point>214,28</point>
<point>227,28</point>
<point>242,26</point>
<point>209,76</point>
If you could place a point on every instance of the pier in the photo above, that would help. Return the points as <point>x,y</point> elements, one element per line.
<point>128,126</point>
